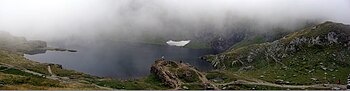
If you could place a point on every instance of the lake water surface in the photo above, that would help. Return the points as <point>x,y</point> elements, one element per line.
<point>120,60</point>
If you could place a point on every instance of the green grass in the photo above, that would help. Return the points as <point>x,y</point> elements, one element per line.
<point>187,75</point>
<point>15,79</point>
<point>64,72</point>
<point>198,45</point>
<point>194,86</point>
<point>150,82</point>
<point>304,65</point>
<point>225,76</point>
<point>19,61</point>
<point>251,87</point>
<point>20,77</point>
<point>114,84</point>
<point>15,72</point>
<point>262,87</point>
<point>155,82</point>
<point>249,41</point>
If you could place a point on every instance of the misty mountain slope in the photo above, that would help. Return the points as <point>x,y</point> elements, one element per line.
<point>19,44</point>
<point>221,40</point>
<point>317,54</point>
<point>255,36</point>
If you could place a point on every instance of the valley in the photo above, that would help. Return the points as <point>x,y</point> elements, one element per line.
<point>313,58</point>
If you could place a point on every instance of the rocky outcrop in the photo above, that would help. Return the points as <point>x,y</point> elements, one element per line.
<point>175,75</point>
<point>161,70</point>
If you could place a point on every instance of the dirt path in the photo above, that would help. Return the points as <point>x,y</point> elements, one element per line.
<point>321,86</point>
<point>203,78</point>
<point>49,70</point>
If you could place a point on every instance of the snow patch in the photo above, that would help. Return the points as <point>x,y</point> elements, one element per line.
<point>178,43</point>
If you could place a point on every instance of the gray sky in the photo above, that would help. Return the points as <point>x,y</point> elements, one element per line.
<point>54,19</point>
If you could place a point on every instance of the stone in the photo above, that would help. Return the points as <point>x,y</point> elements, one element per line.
<point>314,79</point>
<point>332,37</point>
<point>185,87</point>
<point>262,76</point>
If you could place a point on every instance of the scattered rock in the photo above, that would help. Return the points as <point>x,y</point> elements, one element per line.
<point>314,79</point>
<point>217,79</point>
<point>279,81</point>
<point>262,76</point>
<point>185,87</point>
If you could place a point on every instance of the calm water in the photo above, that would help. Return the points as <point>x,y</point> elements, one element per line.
<point>120,60</point>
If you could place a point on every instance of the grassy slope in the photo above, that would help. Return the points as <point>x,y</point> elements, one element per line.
<point>15,78</point>
<point>150,82</point>
<point>303,66</point>
<point>250,41</point>
<point>326,64</point>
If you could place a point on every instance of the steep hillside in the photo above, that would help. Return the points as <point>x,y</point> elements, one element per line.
<point>317,54</point>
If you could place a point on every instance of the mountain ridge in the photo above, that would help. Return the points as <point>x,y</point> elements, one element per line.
<point>317,54</point>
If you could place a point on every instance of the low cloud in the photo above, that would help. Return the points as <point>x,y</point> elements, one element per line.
<point>126,19</point>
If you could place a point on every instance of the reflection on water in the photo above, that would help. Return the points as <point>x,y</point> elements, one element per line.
<point>119,60</point>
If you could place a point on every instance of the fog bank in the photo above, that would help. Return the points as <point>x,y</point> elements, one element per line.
<point>129,19</point>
